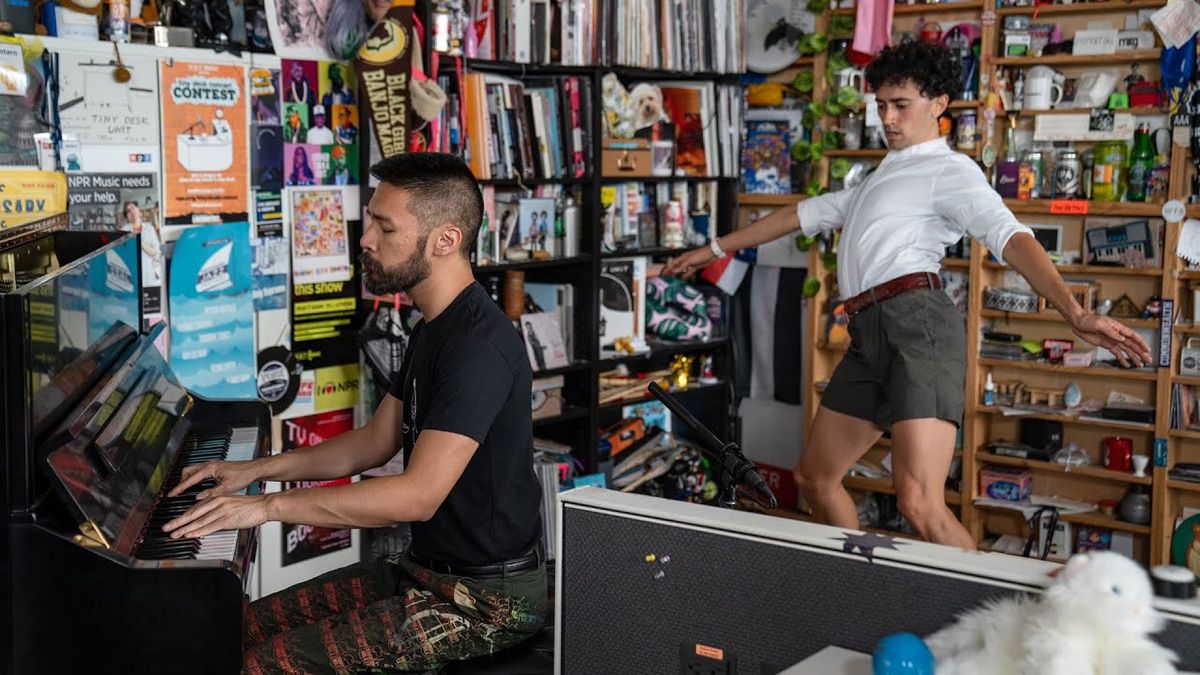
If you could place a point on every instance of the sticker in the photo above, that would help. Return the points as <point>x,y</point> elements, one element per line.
<point>1173,211</point>
<point>278,378</point>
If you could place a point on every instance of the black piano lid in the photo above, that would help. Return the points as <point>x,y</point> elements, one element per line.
<point>110,470</point>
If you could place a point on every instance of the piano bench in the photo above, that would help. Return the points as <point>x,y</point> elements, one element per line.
<point>534,656</point>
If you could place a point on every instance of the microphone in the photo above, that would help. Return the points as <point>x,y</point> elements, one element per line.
<point>737,469</point>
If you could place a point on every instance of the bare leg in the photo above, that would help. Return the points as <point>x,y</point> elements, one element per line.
<point>837,441</point>
<point>921,454</point>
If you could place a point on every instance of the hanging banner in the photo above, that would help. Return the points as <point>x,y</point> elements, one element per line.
<point>384,63</point>
<point>111,127</point>
<point>205,125</point>
<point>304,542</point>
<point>212,312</point>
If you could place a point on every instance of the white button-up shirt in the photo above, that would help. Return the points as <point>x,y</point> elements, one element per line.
<point>903,216</point>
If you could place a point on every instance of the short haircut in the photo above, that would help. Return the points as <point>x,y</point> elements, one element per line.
<point>932,69</point>
<point>441,189</point>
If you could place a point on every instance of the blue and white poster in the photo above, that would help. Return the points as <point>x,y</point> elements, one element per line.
<point>212,312</point>
<point>112,294</point>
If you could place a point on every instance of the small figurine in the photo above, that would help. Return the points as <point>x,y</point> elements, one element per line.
<point>707,372</point>
<point>681,371</point>
<point>1153,309</point>
<point>1133,78</point>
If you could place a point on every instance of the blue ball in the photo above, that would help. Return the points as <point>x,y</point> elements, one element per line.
<point>902,654</point>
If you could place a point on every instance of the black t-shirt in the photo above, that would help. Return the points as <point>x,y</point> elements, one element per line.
<point>466,372</point>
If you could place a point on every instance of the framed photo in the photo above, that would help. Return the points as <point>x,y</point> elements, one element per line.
<point>1049,236</point>
<point>535,225</point>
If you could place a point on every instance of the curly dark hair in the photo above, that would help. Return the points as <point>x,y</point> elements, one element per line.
<point>933,69</point>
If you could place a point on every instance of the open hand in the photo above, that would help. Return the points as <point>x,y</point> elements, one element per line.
<point>227,512</point>
<point>1122,341</point>
<point>229,476</point>
<point>689,262</point>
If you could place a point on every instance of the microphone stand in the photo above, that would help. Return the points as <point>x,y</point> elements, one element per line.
<point>733,467</point>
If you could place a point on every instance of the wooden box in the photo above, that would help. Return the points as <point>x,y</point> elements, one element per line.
<point>626,158</point>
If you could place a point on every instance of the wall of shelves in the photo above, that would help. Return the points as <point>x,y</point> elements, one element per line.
<point>983,424</point>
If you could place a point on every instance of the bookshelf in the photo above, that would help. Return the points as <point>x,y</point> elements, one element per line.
<point>583,414</point>
<point>1169,280</point>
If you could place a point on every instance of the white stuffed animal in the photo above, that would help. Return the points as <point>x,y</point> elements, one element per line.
<point>1094,619</point>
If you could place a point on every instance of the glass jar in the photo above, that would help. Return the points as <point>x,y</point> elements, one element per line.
<point>1109,162</point>
<point>852,129</point>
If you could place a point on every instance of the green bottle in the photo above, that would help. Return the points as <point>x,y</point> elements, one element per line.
<point>1141,163</point>
<point>1108,171</point>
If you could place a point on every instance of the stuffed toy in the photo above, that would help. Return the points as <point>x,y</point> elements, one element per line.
<point>1095,619</point>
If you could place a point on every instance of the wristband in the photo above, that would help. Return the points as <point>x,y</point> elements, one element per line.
<point>715,248</point>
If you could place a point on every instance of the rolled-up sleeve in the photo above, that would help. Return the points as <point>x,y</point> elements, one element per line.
<point>963,197</point>
<point>824,213</point>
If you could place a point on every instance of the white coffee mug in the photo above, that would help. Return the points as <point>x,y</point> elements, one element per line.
<point>1042,93</point>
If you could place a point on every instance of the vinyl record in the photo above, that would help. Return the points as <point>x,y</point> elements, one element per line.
<point>278,378</point>
<point>772,30</point>
<point>1185,545</point>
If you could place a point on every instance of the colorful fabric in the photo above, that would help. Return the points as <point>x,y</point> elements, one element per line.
<point>676,310</point>
<point>390,616</point>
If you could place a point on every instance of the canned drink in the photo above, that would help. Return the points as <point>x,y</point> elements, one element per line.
<point>1067,173</point>
<point>966,131</point>
<point>1160,452</point>
<point>1038,166</point>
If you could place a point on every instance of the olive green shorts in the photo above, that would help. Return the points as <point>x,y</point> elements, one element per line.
<point>907,360</point>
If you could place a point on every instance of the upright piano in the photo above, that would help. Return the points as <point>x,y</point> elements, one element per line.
<point>97,429</point>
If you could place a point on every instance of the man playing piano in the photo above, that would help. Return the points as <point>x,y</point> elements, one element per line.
<point>473,581</point>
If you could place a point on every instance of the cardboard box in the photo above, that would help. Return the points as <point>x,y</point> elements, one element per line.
<point>1007,483</point>
<point>547,397</point>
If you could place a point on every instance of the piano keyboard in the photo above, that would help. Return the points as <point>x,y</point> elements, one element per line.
<point>231,444</point>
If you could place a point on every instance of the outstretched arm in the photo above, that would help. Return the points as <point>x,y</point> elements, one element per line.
<point>1027,256</point>
<point>437,461</point>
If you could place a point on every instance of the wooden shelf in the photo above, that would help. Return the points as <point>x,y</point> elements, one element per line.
<point>1185,435</point>
<point>1187,329</point>
<point>963,105</point>
<point>804,61</point>
<point>856,153</point>
<point>1092,518</point>
<point>1080,60</point>
<point>532,264</point>
<point>1084,111</point>
<point>1185,379</point>
<point>661,348</point>
<point>956,263</point>
<point>1189,275</point>
<point>1094,208</point>
<point>1100,270</point>
<point>1186,486</point>
<point>569,413</point>
<point>1082,7</point>
<point>885,486</point>
<point>1071,419</point>
<point>1097,519</point>
<point>921,8</point>
<point>769,200</point>
<point>985,457</point>
<point>692,388</point>
<point>1055,317</point>
<point>1089,371</point>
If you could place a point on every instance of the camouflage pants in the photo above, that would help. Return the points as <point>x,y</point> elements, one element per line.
<point>389,616</point>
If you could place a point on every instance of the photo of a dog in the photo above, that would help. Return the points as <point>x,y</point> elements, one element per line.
<point>649,114</point>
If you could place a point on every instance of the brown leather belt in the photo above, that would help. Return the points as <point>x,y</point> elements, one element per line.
<point>890,289</point>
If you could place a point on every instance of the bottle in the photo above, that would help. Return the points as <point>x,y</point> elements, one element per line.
<point>1008,169</point>
<point>1018,96</point>
<point>1141,163</point>
<point>989,391</point>
<point>570,230</point>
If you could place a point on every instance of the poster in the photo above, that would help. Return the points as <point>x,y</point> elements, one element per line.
<point>270,272</point>
<point>305,164</point>
<point>127,202</point>
<point>212,311</point>
<point>30,194</point>
<point>266,146</point>
<point>204,123</point>
<point>304,542</point>
<point>320,237</point>
<point>19,120</point>
<point>110,292</point>
<point>114,127</point>
<point>297,29</point>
